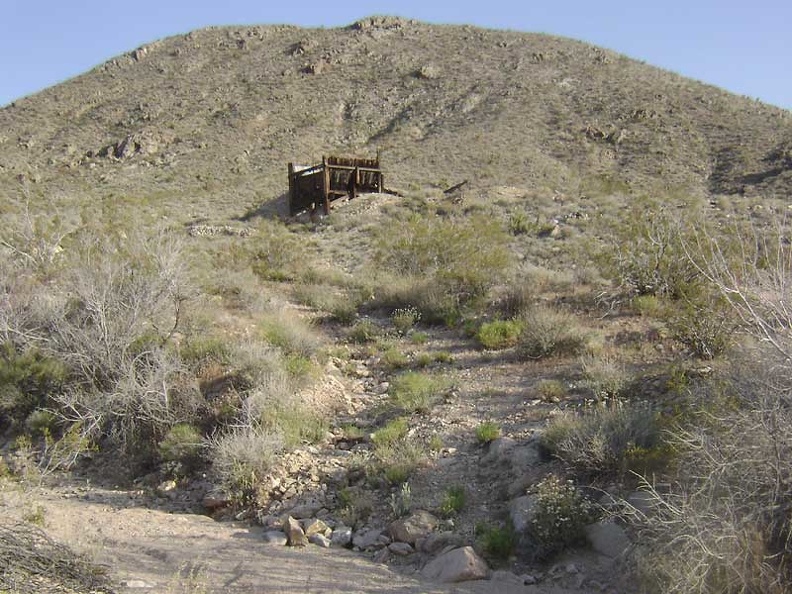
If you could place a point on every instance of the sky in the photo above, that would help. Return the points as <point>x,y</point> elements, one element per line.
<point>743,46</point>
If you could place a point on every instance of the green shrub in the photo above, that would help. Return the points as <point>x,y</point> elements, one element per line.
<point>454,500</point>
<point>647,253</point>
<point>364,331</point>
<point>500,334</point>
<point>561,514</point>
<point>26,379</point>
<point>705,325</point>
<point>393,358</point>
<point>199,350</point>
<point>600,440</point>
<point>393,432</point>
<point>497,542</point>
<point>487,431</point>
<point>417,392</point>
<point>182,445</point>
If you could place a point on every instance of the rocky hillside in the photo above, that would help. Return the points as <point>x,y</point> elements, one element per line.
<point>217,113</point>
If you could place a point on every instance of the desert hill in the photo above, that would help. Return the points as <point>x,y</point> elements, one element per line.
<point>216,114</point>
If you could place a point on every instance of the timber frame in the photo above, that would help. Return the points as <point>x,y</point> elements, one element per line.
<point>317,186</point>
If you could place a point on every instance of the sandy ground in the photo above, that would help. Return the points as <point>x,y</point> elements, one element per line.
<point>146,550</point>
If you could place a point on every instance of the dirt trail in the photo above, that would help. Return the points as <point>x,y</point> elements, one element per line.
<point>153,551</point>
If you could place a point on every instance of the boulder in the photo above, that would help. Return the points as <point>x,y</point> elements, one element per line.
<point>366,538</point>
<point>607,538</point>
<point>320,540</point>
<point>437,541</point>
<point>274,537</point>
<point>457,565</point>
<point>314,526</point>
<point>522,510</point>
<point>295,537</point>
<point>402,549</point>
<point>341,536</point>
<point>417,525</point>
<point>497,451</point>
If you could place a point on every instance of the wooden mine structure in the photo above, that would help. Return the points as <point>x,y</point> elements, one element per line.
<point>314,186</point>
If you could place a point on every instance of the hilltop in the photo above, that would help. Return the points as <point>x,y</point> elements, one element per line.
<point>213,116</point>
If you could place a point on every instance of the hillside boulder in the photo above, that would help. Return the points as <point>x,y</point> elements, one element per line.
<point>458,565</point>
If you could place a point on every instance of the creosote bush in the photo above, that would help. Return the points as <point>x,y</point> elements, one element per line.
<point>499,334</point>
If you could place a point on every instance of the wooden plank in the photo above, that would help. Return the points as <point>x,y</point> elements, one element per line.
<point>326,186</point>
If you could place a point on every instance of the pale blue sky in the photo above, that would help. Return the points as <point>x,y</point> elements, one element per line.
<point>742,46</point>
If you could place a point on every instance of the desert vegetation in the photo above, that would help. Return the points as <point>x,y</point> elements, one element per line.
<point>626,332</point>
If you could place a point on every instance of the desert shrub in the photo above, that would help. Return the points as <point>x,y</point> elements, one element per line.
<point>600,440</point>
<point>724,526</point>
<point>242,457</point>
<point>30,561</point>
<point>276,253</point>
<point>458,261</point>
<point>604,374</point>
<point>394,431</point>
<point>551,390</point>
<point>547,332</point>
<point>705,325</point>
<point>26,379</point>
<point>417,392</point>
<point>454,499</point>
<point>394,358</point>
<point>519,224</point>
<point>290,333</point>
<point>405,318</point>
<point>364,331</point>
<point>497,542</point>
<point>198,351</point>
<point>401,501</point>
<point>487,431</point>
<point>647,255</point>
<point>561,513</point>
<point>182,446</point>
<point>516,298</point>
<point>500,334</point>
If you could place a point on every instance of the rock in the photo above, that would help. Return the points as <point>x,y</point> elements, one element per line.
<point>607,538</point>
<point>417,525</point>
<point>524,457</point>
<point>366,538</point>
<point>458,565</point>
<point>643,501</point>
<point>320,540</point>
<point>295,537</point>
<point>437,541</point>
<point>314,526</point>
<point>166,487</point>
<point>522,511</point>
<point>216,499</point>
<point>382,556</point>
<point>497,450</point>
<point>402,549</point>
<point>341,536</point>
<point>274,537</point>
